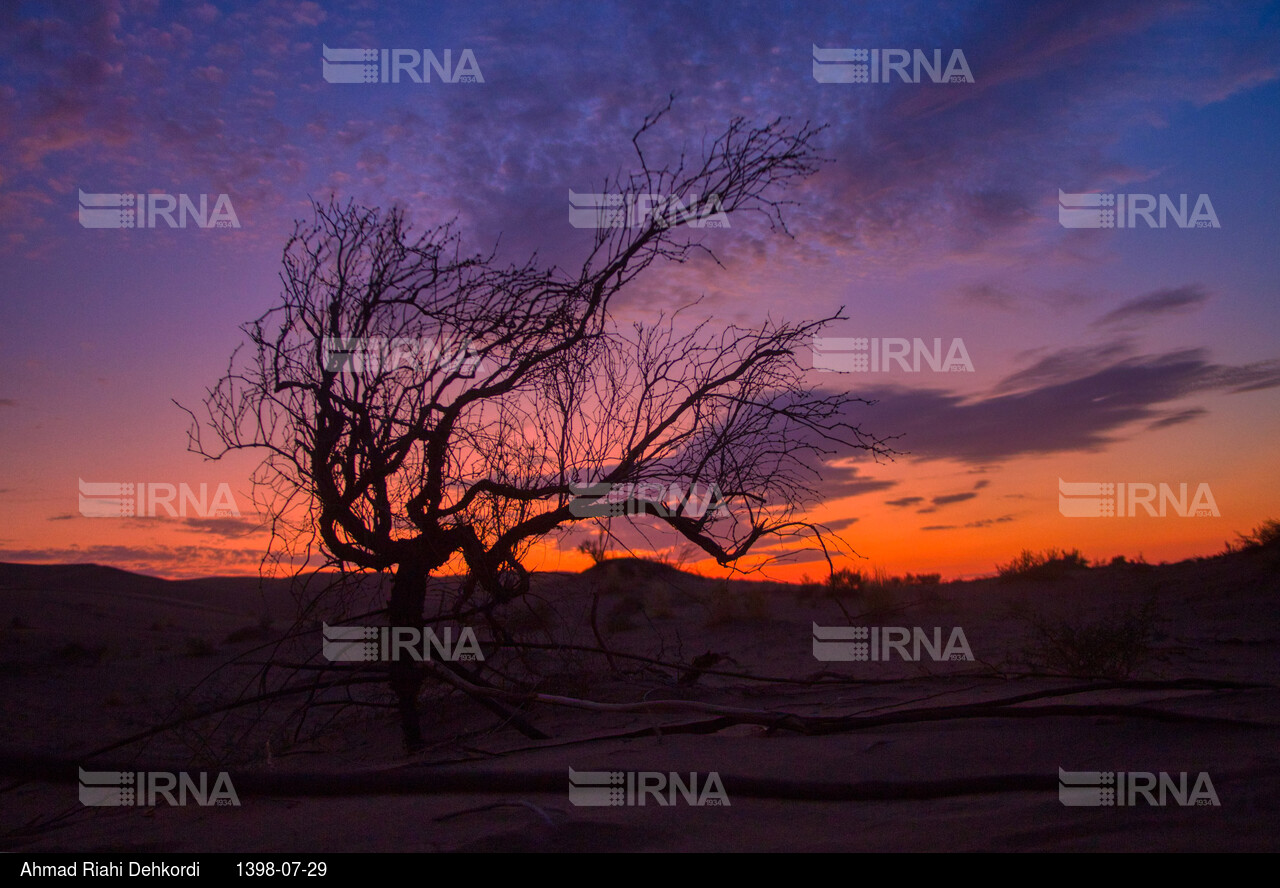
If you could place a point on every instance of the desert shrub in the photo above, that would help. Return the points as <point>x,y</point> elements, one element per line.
<point>1111,647</point>
<point>1050,564</point>
<point>809,590</point>
<point>250,633</point>
<point>596,548</point>
<point>730,605</point>
<point>877,593</point>
<point>928,587</point>
<point>922,579</point>
<point>845,582</point>
<point>1122,561</point>
<point>1265,534</point>
<point>679,556</point>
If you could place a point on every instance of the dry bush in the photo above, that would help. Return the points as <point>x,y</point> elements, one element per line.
<point>596,548</point>
<point>1051,564</point>
<point>1111,647</point>
<point>730,604</point>
<point>1265,535</point>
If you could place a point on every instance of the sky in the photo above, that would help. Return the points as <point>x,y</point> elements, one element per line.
<point>1132,355</point>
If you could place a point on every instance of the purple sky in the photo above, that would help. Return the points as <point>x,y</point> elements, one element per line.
<point>1140,354</point>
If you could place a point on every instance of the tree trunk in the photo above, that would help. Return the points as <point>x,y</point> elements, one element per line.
<point>408,592</point>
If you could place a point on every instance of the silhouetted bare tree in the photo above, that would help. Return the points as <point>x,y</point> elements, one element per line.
<point>422,410</point>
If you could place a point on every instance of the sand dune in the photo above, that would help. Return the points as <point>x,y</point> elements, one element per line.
<point>812,754</point>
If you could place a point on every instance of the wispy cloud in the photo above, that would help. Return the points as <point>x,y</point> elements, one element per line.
<point>952,498</point>
<point>982,522</point>
<point>902,502</point>
<point>1161,302</point>
<point>1064,413</point>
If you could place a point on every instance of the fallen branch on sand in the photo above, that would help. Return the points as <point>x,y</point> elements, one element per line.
<point>777,720</point>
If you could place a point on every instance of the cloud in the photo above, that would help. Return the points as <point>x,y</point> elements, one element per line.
<point>1177,418</point>
<point>939,501</point>
<point>799,556</point>
<point>952,498</point>
<point>1065,364</point>
<point>1073,408</point>
<point>1170,301</point>
<point>1053,81</point>
<point>224,527</point>
<point>982,522</point>
<point>988,295</point>
<point>905,501</point>
<point>845,480</point>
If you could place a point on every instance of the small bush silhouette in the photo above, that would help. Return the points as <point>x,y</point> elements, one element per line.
<point>1050,564</point>
<point>922,579</point>
<point>845,582</point>
<point>250,633</point>
<point>1112,647</point>
<point>596,548</point>
<point>876,591</point>
<point>747,602</point>
<point>1122,561</point>
<point>1265,534</point>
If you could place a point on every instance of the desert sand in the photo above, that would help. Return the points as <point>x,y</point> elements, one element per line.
<point>935,755</point>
